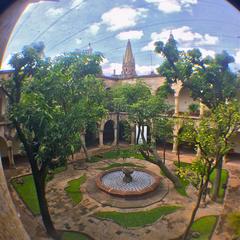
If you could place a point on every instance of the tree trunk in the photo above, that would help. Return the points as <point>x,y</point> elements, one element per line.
<point>202,188</point>
<point>217,180</point>
<point>82,163</point>
<point>164,151</point>
<point>175,180</point>
<point>117,140</point>
<point>39,177</point>
<point>86,152</point>
<point>178,156</point>
<point>185,236</point>
<point>39,181</point>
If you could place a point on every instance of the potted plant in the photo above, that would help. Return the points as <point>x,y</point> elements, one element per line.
<point>194,109</point>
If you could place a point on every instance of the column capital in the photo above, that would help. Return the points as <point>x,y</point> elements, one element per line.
<point>9,143</point>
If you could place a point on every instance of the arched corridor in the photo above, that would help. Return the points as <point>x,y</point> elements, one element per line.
<point>6,152</point>
<point>108,132</point>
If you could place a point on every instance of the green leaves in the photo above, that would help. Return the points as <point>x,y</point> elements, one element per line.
<point>208,79</point>
<point>214,132</point>
<point>54,100</point>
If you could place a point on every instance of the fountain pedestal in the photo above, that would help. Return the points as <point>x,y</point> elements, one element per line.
<point>127,175</point>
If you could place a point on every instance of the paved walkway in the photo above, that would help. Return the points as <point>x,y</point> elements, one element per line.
<point>79,217</point>
<point>231,203</point>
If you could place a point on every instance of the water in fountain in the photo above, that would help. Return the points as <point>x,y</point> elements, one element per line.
<point>140,180</point>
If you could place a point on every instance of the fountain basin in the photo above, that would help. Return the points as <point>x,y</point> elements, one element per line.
<point>143,181</point>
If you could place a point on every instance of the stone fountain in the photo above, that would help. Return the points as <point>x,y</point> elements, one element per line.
<point>127,172</point>
<point>126,182</point>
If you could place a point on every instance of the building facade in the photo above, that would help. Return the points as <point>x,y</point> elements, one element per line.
<point>180,100</point>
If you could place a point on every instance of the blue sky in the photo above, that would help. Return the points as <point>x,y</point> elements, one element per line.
<point>211,25</point>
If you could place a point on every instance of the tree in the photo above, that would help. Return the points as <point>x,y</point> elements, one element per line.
<point>48,106</point>
<point>209,80</point>
<point>74,86</point>
<point>227,122</point>
<point>212,135</point>
<point>143,108</point>
<point>163,131</point>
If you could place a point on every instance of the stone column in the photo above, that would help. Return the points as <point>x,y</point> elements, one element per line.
<point>83,139</point>
<point>11,225</point>
<point>175,144</point>
<point>115,136</point>
<point>133,134</point>
<point>100,138</point>
<point>198,154</point>
<point>176,102</point>
<point>201,109</point>
<point>10,154</point>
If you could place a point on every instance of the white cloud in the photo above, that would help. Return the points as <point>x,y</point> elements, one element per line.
<point>208,40</point>
<point>109,69</point>
<point>53,12</point>
<point>237,57</point>
<point>123,17</point>
<point>130,35</point>
<point>78,40</point>
<point>104,61</point>
<point>145,69</point>
<point>5,64</point>
<point>94,28</point>
<point>183,35</point>
<point>171,6</point>
<point>204,51</point>
<point>76,3</point>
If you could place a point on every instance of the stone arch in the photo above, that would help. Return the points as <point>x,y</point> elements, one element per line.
<point>234,153</point>
<point>185,100</point>
<point>4,152</point>
<point>108,132</point>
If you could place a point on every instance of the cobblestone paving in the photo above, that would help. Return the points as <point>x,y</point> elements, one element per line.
<point>79,217</point>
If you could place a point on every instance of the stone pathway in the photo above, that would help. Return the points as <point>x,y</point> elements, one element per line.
<point>231,203</point>
<point>79,217</point>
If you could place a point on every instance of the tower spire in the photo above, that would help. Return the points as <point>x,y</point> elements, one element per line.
<point>128,66</point>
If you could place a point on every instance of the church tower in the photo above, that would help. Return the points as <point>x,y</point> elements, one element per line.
<point>128,66</point>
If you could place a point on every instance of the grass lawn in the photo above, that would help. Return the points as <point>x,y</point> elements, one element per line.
<point>205,226</point>
<point>68,235</point>
<point>233,222</point>
<point>224,179</point>
<point>117,153</point>
<point>137,219</point>
<point>182,190</point>
<point>27,191</point>
<point>114,165</point>
<point>73,189</point>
